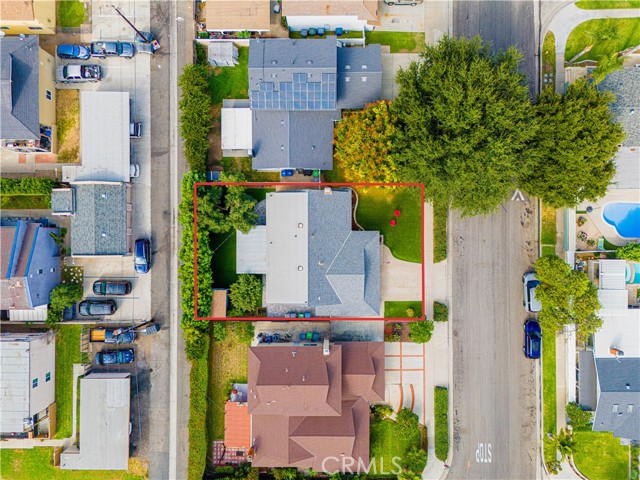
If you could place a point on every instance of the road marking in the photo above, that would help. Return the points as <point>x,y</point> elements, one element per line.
<point>518,196</point>
<point>483,453</point>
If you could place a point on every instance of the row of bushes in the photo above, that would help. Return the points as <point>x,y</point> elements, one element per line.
<point>440,213</point>
<point>198,441</point>
<point>441,410</point>
<point>195,115</point>
<point>26,186</point>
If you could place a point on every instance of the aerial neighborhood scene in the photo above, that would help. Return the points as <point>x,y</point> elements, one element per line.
<point>335,239</point>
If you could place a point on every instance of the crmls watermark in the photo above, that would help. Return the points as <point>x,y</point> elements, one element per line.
<point>376,466</point>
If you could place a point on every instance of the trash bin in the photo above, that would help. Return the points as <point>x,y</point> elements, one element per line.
<point>339,31</point>
<point>304,33</point>
<point>312,32</point>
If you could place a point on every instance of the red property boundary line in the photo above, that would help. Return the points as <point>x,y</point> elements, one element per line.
<point>312,185</point>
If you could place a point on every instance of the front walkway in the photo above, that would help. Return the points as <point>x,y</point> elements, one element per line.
<point>569,18</point>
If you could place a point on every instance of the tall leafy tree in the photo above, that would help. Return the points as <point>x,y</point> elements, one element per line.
<point>572,153</point>
<point>464,120</point>
<point>629,252</point>
<point>567,296</point>
<point>239,206</point>
<point>246,294</point>
<point>364,139</point>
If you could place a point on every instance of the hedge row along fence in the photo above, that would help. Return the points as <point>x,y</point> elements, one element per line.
<point>26,186</point>
<point>441,404</point>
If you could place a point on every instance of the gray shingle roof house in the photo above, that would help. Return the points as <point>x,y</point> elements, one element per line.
<point>314,261</point>
<point>29,263</point>
<point>100,217</point>
<point>625,85</point>
<point>297,89</point>
<point>618,409</point>
<point>19,88</point>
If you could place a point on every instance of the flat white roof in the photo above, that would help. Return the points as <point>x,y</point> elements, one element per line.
<point>236,129</point>
<point>104,138</point>
<point>251,251</point>
<point>104,424</point>
<point>612,275</point>
<point>14,385</point>
<point>287,247</point>
<point>618,331</point>
<point>614,302</point>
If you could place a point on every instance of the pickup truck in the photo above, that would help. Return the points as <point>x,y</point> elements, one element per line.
<point>78,73</point>
<point>103,335</point>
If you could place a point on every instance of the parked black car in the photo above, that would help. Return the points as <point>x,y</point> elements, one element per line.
<point>112,287</point>
<point>112,49</point>
<point>142,259</point>
<point>73,52</point>
<point>115,357</point>
<point>97,307</point>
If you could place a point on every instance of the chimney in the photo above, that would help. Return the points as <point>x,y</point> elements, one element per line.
<point>325,347</point>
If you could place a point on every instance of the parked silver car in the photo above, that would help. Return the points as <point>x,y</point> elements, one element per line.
<point>78,73</point>
<point>530,283</point>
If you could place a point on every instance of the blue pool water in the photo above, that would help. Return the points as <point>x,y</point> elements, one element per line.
<point>633,272</point>
<point>625,217</point>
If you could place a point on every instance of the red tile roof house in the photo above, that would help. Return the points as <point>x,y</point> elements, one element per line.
<point>310,404</point>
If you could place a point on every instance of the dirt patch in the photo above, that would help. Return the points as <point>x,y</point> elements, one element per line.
<point>68,120</point>
<point>215,138</point>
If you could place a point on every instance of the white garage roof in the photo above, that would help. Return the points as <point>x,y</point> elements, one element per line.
<point>14,380</point>
<point>612,275</point>
<point>251,251</point>
<point>104,138</point>
<point>620,332</point>
<point>236,129</point>
<point>104,424</point>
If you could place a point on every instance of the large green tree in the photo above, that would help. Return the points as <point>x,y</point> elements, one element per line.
<point>246,294</point>
<point>629,252</point>
<point>364,139</point>
<point>572,153</point>
<point>567,296</point>
<point>464,121</point>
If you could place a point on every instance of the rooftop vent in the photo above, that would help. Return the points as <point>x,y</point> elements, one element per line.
<point>300,268</point>
<point>347,79</point>
<point>364,66</point>
<point>282,148</point>
<point>274,62</point>
<point>364,79</point>
<point>300,225</point>
<point>614,408</point>
<point>627,386</point>
<point>630,408</point>
<point>347,67</point>
<point>293,354</point>
<point>309,62</point>
<point>328,191</point>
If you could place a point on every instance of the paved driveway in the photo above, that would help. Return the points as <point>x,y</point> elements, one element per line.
<point>399,280</point>
<point>402,18</point>
<point>405,377</point>
<point>391,63</point>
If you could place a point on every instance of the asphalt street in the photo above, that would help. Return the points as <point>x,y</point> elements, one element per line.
<point>494,385</point>
<point>495,412</point>
<point>503,23</point>
<point>170,390</point>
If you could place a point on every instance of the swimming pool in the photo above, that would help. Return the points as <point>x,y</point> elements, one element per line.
<point>632,272</point>
<point>625,217</point>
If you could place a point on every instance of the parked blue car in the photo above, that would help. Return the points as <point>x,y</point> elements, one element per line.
<point>532,339</point>
<point>73,52</point>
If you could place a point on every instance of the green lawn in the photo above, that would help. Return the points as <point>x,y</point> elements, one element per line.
<point>549,59</point>
<point>400,42</point>
<point>599,455</point>
<point>37,463</point>
<point>227,364</point>
<point>399,309</point>
<point>607,36</point>
<point>388,441</point>
<point>231,82</point>
<point>67,353</point>
<point>376,208</point>
<point>548,250</point>
<point>70,13</point>
<point>441,409</point>
<point>605,4</point>
<point>25,202</point>
<point>548,226</point>
<point>198,406</point>
<point>224,259</point>
<point>548,389</point>
<point>440,215</point>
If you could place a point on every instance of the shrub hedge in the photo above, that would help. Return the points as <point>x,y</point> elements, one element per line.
<point>26,186</point>
<point>440,312</point>
<point>440,213</point>
<point>195,115</point>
